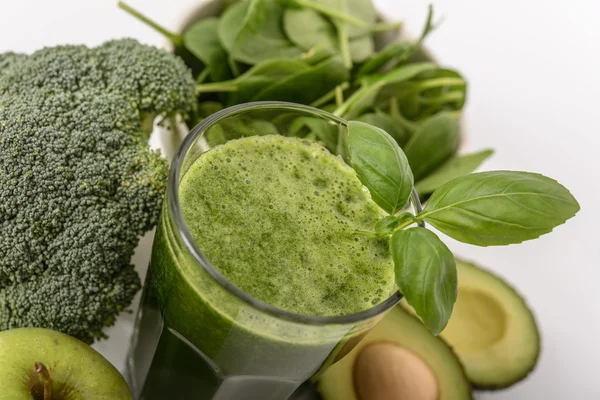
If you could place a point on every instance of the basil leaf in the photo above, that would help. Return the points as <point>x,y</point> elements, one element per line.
<point>260,36</point>
<point>380,165</point>
<point>308,29</point>
<point>426,275</point>
<point>434,142</point>
<point>499,207</point>
<point>453,168</point>
<point>202,40</point>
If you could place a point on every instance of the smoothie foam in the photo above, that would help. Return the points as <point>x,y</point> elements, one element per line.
<point>276,216</point>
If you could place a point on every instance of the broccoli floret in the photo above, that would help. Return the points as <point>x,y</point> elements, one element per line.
<point>78,183</point>
<point>152,80</point>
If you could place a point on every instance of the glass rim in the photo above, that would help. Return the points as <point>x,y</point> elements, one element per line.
<point>186,237</point>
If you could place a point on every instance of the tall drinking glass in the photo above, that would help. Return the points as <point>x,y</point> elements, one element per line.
<point>197,335</point>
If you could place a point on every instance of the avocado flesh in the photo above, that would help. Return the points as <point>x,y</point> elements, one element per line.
<point>492,331</point>
<point>400,328</point>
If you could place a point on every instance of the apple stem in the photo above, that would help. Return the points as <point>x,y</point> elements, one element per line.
<point>45,379</point>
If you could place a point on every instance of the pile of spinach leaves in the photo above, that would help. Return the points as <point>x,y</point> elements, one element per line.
<point>331,54</point>
<point>403,131</point>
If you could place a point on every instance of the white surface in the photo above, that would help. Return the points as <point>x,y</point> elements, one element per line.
<point>533,69</point>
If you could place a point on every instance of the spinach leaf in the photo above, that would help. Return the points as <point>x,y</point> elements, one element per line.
<point>388,124</point>
<point>380,165</point>
<point>238,127</point>
<point>322,9</point>
<point>262,76</point>
<point>342,29</point>
<point>361,48</point>
<point>427,94</point>
<point>499,207</point>
<point>308,29</point>
<point>307,85</point>
<point>317,128</point>
<point>434,142</point>
<point>453,168</point>
<point>364,98</point>
<point>426,275</point>
<point>260,36</point>
<point>396,53</point>
<point>202,41</point>
<point>363,10</point>
<point>329,96</point>
<point>231,22</point>
<point>207,108</point>
<point>254,80</point>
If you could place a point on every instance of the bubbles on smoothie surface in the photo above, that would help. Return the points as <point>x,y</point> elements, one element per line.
<point>277,217</point>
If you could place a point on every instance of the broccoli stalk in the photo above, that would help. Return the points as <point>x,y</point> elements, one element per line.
<point>78,183</point>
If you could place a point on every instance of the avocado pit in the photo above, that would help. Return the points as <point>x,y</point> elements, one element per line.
<point>386,371</point>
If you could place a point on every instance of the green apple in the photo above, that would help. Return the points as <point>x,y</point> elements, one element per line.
<point>42,364</point>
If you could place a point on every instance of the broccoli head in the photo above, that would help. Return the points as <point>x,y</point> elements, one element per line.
<point>78,184</point>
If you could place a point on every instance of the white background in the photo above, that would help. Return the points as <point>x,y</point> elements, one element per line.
<point>533,68</point>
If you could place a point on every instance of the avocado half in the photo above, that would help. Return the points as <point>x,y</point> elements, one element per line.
<point>410,356</point>
<point>492,331</point>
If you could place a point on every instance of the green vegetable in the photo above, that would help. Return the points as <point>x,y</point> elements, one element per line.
<point>283,80</point>
<point>260,37</point>
<point>300,87</point>
<point>396,53</point>
<point>202,40</point>
<point>316,128</point>
<point>364,98</point>
<point>230,23</point>
<point>78,183</point>
<point>380,165</point>
<point>361,48</point>
<point>246,86</point>
<point>362,10</point>
<point>429,93</point>
<point>499,207</point>
<point>425,274</point>
<point>208,108</point>
<point>489,208</point>
<point>308,29</point>
<point>323,9</point>
<point>388,124</point>
<point>323,53</point>
<point>432,144</point>
<point>453,168</point>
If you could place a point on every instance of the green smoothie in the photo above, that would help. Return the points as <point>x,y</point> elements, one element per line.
<point>277,217</point>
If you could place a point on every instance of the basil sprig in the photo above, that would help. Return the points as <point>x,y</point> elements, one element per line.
<point>485,209</point>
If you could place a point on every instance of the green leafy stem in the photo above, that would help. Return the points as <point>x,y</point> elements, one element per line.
<point>484,209</point>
